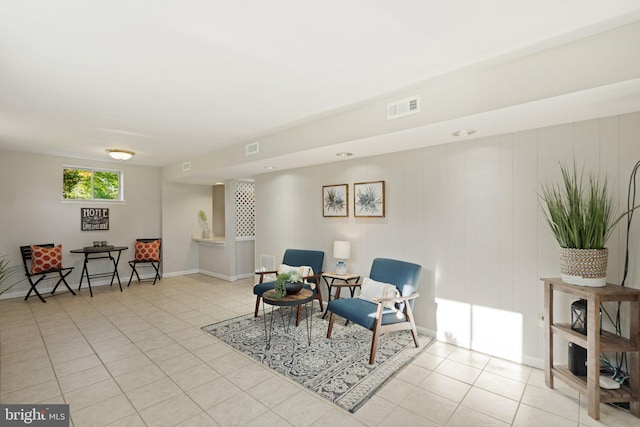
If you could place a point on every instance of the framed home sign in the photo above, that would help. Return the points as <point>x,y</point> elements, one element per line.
<point>335,200</point>
<point>94,219</point>
<point>369,199</point>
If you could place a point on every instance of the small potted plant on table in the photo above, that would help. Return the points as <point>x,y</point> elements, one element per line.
<point>289,283</point>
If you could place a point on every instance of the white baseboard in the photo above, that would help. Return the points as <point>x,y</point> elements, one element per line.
<point>425,331</point>
<point>525,359</point>
<point>216,275</point>
<point>47,289</point>
<point>223,277</point>
<point>180,273</point>
<point>17,294</point>
<point>534,362</point>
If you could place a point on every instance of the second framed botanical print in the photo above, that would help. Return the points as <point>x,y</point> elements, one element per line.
<point>369,199</point>
<point>335,200</point>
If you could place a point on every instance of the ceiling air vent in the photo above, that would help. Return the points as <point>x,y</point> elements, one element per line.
<point>186,166</point>
<point>403,107</point>
<point>252,148</point>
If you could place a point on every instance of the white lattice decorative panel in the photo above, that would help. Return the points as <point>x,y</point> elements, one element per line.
<point>245,209</point>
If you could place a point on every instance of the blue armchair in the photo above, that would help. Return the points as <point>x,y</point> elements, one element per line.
<point>377,316</point>
<point>295,258</point>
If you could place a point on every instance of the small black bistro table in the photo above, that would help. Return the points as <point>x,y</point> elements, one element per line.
<point>92,253</point>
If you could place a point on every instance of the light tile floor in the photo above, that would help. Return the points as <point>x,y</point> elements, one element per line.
<point>139,358</point>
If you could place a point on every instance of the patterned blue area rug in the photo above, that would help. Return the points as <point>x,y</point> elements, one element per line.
<point>336,368</point>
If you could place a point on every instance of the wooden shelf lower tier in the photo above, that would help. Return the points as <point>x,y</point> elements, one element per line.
<point>608,341</point>
<point>623,394</point>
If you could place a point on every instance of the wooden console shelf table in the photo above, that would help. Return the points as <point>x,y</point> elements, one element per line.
<point>595,343</point>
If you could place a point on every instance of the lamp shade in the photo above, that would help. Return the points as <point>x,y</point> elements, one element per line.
<point>341,249</point>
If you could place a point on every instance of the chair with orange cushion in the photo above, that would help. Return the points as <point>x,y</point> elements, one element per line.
<point>44,262</point>
<point>147,254</point>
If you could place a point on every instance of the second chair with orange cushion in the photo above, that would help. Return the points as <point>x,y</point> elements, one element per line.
<point>147,254</point>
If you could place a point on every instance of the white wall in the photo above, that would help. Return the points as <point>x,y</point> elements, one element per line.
<point>227,259</point>
<point>218,208</point>
<point>245,253</point>
<point>468,213</point>
<point>31,210</point>
<point>214,260</point>
<point>180,206</point>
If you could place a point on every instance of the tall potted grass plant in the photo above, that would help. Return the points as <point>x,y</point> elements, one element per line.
<point>580,213</point>
<point>7,271</point>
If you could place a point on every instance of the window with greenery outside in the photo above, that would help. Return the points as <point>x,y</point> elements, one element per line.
<point>91,184</point>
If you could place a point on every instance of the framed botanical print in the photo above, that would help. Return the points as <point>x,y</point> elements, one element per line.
<point>369,199</point>
<point>335,200</point>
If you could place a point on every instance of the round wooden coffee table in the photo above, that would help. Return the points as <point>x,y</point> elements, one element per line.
<point>295,301</point>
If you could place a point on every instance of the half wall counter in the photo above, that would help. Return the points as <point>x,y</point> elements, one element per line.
<point>226,259</point>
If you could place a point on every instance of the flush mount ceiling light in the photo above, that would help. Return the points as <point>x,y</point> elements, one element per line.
<point>344,154</point>
<point>270,168</point>
<point>464,132</point>
<point>120,154</point>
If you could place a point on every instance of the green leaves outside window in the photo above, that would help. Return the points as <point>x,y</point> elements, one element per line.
<point>91,184</point>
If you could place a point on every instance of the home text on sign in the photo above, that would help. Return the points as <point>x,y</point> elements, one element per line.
<point>94,219</point>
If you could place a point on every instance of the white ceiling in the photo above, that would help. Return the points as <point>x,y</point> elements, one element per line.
<point>173,79</point>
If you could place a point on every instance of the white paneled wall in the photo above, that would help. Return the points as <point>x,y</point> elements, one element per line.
<point>468,213</point>
<point>180,206</point>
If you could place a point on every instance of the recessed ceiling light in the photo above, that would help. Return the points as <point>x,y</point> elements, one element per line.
<point>270,168</point>
<point>219,183</point>
<point>120,154</point>
<point>344,154</point>
<point>464,132</point>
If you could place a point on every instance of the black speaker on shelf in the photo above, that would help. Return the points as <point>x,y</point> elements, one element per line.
<point>577,360</point>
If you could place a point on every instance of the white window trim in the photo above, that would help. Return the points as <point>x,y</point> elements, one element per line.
<point>120,201</point>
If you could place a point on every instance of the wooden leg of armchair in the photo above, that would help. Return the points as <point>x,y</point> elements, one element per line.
<point>376,333</point>
<point>374,345</point>
<point>330,327</point>
<point>414,331</point>
<point>257,306</point>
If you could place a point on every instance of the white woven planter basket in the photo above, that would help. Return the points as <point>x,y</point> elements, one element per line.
<point>584,267</point>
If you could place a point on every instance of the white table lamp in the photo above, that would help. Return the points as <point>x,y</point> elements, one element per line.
<point>341,251</point>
